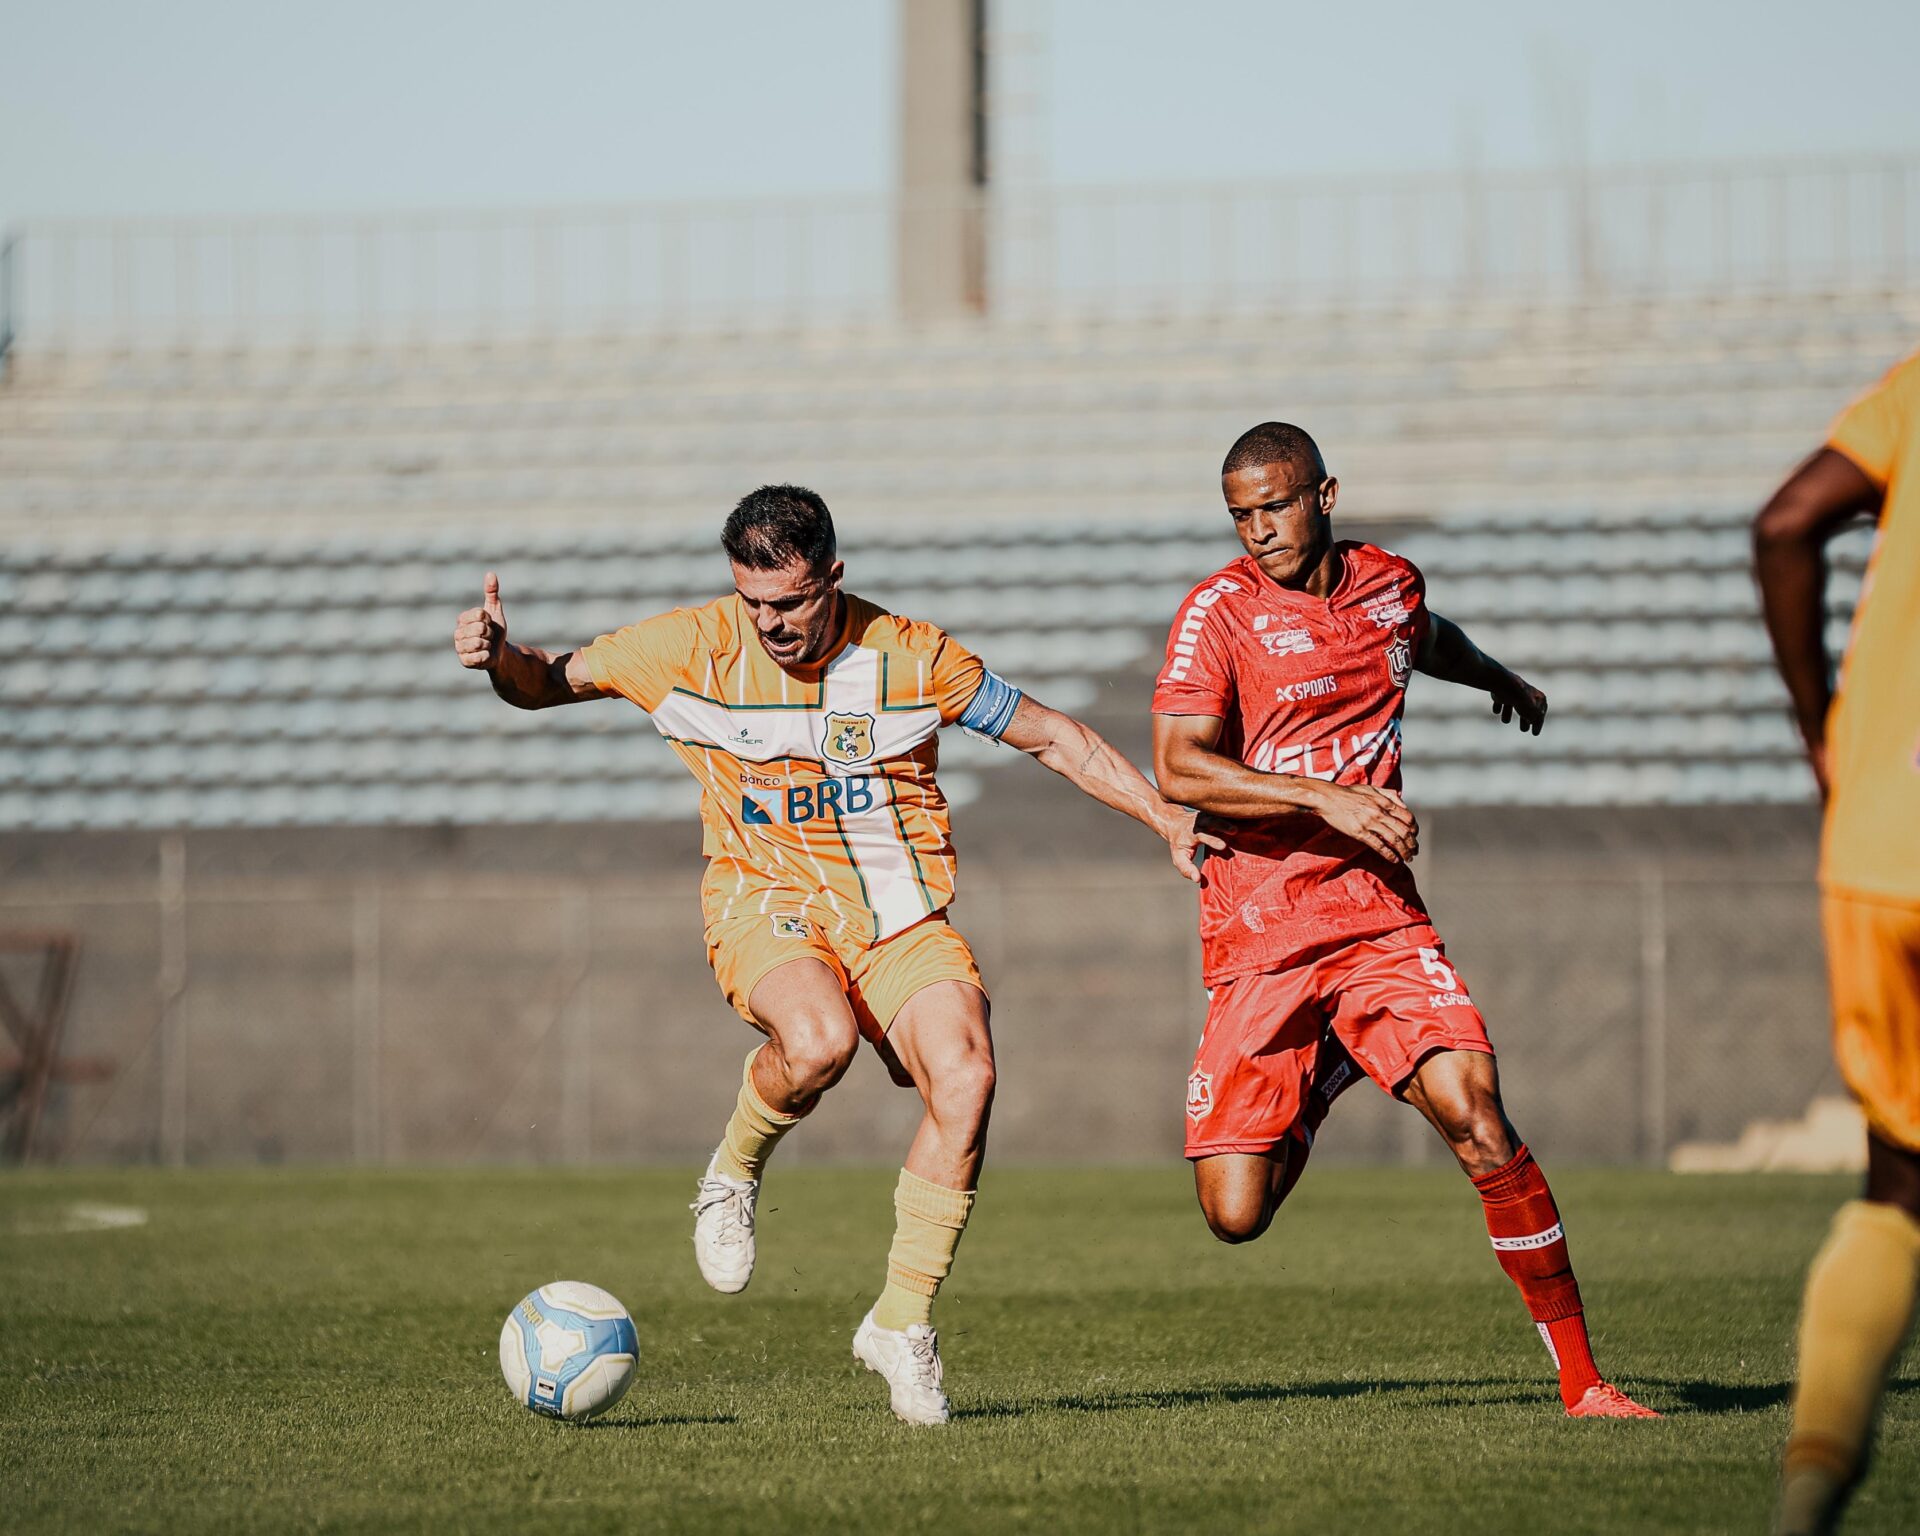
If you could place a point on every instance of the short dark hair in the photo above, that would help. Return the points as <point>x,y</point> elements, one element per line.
<point>1274,442</point>
<point>777,524</point>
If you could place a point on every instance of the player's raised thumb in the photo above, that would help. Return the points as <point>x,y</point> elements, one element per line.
<point>494,610</point>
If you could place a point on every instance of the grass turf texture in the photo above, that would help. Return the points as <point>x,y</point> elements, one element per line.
<point>316,1351</point>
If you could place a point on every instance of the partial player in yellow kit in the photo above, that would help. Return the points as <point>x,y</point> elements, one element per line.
<point>810,718</point>
<point>1863,742</point>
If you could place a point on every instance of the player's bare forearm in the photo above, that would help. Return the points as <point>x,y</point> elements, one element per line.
<point>1192,769</point>
<point>525,676</point>
<point>1211,781</point>
<point>1790,537</point>
<point>530,678</point>
<point>1452,657</point>
<point>1088,761</point>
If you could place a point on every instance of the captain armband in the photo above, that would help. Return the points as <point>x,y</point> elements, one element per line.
<point>991,711</point>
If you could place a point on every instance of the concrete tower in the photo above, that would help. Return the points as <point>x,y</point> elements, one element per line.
<point>941,248</point>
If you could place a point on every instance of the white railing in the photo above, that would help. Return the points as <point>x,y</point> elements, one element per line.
<point>1712,230</point>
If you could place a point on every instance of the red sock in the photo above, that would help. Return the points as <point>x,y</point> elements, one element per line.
<point>1531,1245</point>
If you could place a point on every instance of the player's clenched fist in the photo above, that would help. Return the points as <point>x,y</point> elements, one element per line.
<point>479,633</point>
<point>1377,817</point>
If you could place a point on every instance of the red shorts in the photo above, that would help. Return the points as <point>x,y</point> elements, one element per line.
<point>1391,1001</point>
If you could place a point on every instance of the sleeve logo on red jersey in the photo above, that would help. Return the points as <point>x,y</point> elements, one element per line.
<point>1388,612</point>
<point>1187,639</point>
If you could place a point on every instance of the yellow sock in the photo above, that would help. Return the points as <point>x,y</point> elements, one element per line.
<point>1859,1301</point>
<point>753,1132</point>
<point>928,1221</point>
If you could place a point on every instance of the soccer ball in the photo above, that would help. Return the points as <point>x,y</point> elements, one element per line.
<point>568,1350</point>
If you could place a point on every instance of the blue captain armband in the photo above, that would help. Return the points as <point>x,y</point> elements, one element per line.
<point>991,711</point>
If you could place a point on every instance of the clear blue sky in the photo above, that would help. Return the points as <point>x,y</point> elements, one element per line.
<point>263,105</point>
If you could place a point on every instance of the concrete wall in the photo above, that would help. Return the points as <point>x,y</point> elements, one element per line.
<point>540,994</point>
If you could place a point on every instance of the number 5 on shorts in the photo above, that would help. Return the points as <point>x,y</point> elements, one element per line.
<point>1439,970</point>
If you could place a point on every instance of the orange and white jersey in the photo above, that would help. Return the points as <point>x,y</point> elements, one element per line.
<point>818,796</point>
<point>1872,842</point>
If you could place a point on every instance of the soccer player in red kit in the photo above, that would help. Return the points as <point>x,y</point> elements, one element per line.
<point>1279,712</point>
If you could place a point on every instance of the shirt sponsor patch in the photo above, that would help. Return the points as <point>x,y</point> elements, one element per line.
<point>1312,688</point>
<point>1287,642</point>
<point>798,803</point>
<point>1187,639</point>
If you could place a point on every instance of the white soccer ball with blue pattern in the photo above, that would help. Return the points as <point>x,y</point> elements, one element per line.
<point>568,1350</point>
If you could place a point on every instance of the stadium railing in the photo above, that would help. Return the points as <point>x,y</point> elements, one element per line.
<point>1715,230</point>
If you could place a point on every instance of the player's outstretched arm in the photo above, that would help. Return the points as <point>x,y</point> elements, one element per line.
<point>525,676</point>
<point>1450,656</point>
<point>1192,769</point>
<point>1790,561</point>
<point>1086,759</point>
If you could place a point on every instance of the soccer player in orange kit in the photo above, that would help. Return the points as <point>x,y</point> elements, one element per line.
<point>810,718</point>
<point>1864,747</point>
<point>1278,712</point>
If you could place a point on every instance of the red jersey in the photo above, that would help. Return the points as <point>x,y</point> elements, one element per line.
<point>1306,686</point>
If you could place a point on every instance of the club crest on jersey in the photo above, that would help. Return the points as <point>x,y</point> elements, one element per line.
<point>1399,661</point>
<point>848,738</point>
<point>786,926</point>
<point>1200,1095</point>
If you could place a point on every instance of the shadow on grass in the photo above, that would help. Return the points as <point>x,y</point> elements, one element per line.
<point>1434,1393</point>
<point>1693,1397</point>
<point>1748,1397</point>
<point>656,1421</point>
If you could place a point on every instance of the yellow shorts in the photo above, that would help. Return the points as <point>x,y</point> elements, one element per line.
<point>878,979</point>
<point>1873,970</point>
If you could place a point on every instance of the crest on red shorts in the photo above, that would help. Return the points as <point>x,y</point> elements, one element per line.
<point>1200,1095</point>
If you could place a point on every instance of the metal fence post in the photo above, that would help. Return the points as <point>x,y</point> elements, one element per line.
<point>1653,1017</point>
<point>576,1073</point>
<point>367,1117</point>
<point>9,244</point>
<point>171,984</point>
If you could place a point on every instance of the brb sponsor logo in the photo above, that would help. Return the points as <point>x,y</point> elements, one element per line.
<point>795,804</point>
<point>1187,640</point>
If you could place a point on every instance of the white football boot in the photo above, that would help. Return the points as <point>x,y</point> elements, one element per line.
<point>910,1362</point>
<point>723,1229</point>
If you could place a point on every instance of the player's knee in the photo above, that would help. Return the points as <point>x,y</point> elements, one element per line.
<point>1479,1136</point>
<point>1237,1219</point>
<point>818,1052</point>
<point>962,1089</point>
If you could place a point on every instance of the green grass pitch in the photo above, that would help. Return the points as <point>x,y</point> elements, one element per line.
<point>277,1350</point>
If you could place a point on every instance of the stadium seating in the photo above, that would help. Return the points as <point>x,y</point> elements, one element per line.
<point>227,580</point>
